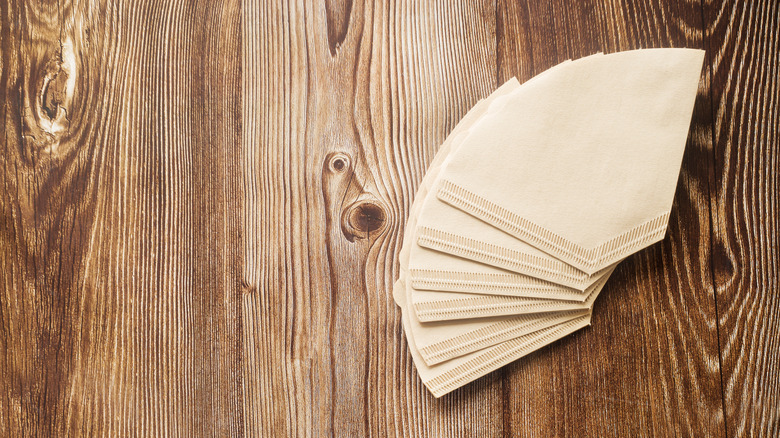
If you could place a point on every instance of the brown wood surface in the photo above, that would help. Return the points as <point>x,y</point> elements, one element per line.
<point>203,201</point>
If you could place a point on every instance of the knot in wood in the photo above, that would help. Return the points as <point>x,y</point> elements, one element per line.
<point>52,85</point>
<point>55,91</point>
<point>363,219</point>
<point>338,162</point>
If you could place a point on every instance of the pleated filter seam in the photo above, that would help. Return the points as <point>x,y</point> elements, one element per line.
<point>606,253</point>
<point>431,279</point>
<point>437,310</point>
<point>486,336</point>
<point>504,290</point>
<point>499,356</point>
<point>555,271</point>
<point>490,305</point>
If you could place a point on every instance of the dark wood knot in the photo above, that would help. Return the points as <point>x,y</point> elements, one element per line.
<point>337,17</point>
<point>363,219</point>
<point>338,162</point>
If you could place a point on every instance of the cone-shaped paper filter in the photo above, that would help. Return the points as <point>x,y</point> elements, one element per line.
<point>583,163</point>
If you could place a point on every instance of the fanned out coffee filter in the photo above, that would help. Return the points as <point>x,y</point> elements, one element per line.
<point>475,291</point>
<point>583,162</point>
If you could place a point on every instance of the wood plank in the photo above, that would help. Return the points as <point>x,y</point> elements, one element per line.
<point>119,309</point>
<point>648,365</point>
<point>346,104</point>
<point>744,48</point>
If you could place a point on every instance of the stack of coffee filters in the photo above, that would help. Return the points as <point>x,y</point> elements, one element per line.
<point>530,203</point>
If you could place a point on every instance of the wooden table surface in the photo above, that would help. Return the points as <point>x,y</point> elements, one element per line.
<point>180,257</point>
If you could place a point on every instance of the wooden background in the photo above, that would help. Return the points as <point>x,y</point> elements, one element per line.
<point>203,200</point>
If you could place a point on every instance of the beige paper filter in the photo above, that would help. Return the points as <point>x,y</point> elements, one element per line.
<point>583,162</point>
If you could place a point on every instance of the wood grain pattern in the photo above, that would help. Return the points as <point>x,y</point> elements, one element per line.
<point>744,51</point>
<point>202,204</point>
<point>120,311</point>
